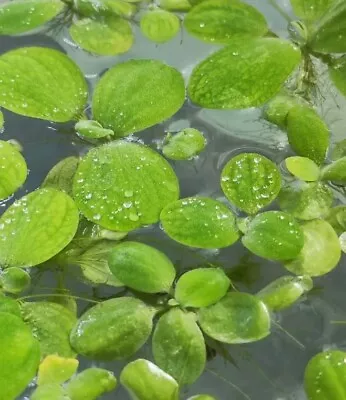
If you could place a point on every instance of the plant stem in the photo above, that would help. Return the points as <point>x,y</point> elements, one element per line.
<point>33,296</point>
<point>282,12</point>
<point>229,383</point>
<point>338,322</point>
<point>289,335</point>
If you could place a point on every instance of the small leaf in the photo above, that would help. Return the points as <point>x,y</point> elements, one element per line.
<point>277,109</point>
<point>308,135</point>
<point>14,280</point>
<point>126,323</point>
<point>284,291</point>
<point>303,168</point>
<point>339,150</point>
<point>335,172</point>
<point>159,25</point>
<point>306,200</point>
<point>146,381</point>
<point>337,219</point>
<point>342,240</point>
<point>178,346</point>
<point>104,8</point>
<point>184,145</point>
<point>274,235</point>
<point>250,181</point>
<point>92,130</point>
<point>201,287</point>
<point>11,306</point>
<point>311,10</point>
<point>41,83</point>
<point>25,15</point>
<point>220,21</point>
<point>141,267</point>
<point>325,376</point>
<point>107,37</point>
<point>122,186</point>
<point>56,370</point>
<point>321,252</point>
<point>202,397</point>
<point>237,318</point>
<point>13,169</point>
<point>2,120</point>
<point>244,74</point>
<point>160,93</point>
<point>49,392</point>
<point>175,5</point>
<point>200,222</point>
<point>60,177</point>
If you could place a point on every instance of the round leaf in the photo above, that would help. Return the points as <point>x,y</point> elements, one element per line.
<point>311,10</point>
<point>237,318</point>
<point>303,168</point>
<point>160,93</point>
<point>337,74</point>
<point>159,25</point>
<point>13,170</point>
<point>178,346</point>
<point>321,252</point>
<point>49,392</point>
<point>56,370</point>
<point>274,235</point>
<point>184,145</point>
<point>277,109</point>
<point>247,73</point>
<point>250,181</point>
<point>14,280</point>
<point>141,267</point>
<point>200,222</point>
<point>335,172</point>
<point>201,287</point>
<point>220,21</point>
<point>337,219</point>
<point>92,129</point>
<point>126,324</point>
<point>122,186</point>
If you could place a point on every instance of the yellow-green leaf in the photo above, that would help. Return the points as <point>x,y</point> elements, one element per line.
<point>311,10</point>
<point>55,369</point>
<point>159,25</point>
<point>303,168</point>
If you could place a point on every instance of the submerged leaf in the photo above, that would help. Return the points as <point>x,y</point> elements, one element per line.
<point>335,172</point>
<point>56,370</point>
<point>303,168</point>
<point>337,74</point>
<point>159,25</point>
<point>311,10</point>
<point>60,177</point>
<point>14,280</point>
<point>184,145</point>
<point>92,129</point>
<point>339,150</point>
<point>337,219</point>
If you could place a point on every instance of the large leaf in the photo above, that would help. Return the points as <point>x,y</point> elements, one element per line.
<point>321,252</point>
<point>36,227</point>
<point>247,73</point>
<point>25,15</point>
<point>311,10</point>
<point>160,92</point>
<point>200,222</point>
<point>184,145</point>
<point>113,329</point>
<point>146,381</point>
<point>237,318</point>
<point>159,25</point>
<point>337,73</point>
<point>122,186</point>
<point>220,21</point>
<point>335,172</point>
<point>14,280</point>
<point>178,346</point>
<point>141,267</point>
<point>303,168</point>
<point>250,181</point>
<point>56,370</point>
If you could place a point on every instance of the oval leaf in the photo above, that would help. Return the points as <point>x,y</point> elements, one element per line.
<point>200,222</point>
<point>335,172</point>
<point>303,168</point>
<point>14,280</point>
<point>92,130</point>
<point>159,25</point>
<point>175,5</point>
<point>184,145</point>
<point>311,10</point>
<point>56,370</point>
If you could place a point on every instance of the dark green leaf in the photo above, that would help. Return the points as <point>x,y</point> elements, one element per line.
<point>56,370</point>
<point>335,172</point>
<point>311,10</point>
<point>184,145</point>
<point>14,280</point>
<point>50,392</point>
<point>303,168</point>
<point>159,25</point>
<point>60,177</point>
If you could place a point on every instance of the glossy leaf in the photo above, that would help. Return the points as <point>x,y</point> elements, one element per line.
<point>175,5</point>
<point>221,21</point>
<point>243,74</point>
<point>159,25</point>
<point>337,219</point>
<point>25,15</point>
<point>337,74</point>
<point>122,186</point>
<point>92,130</point>
<point>200,222</point>
<point>127,321</point>
<point>160,92</point>
<point>141,267</point>
<point>311,10</point>
<point>41,83</point>
<point>250,181</point>
<point>50,392</point>
<point>201,287</point>
<point>303,168</point>
<point>13,169</point>
<point>277,109</point>
<point>335,172</point>
<point>178,346</point>
<point>14,280</point>
<point>60,177</point>
<point>146,381</point>
<point>56,370</point>
<point>9,305</point>
<point>237,318</point>
<point>184,145</point>
<point>321,252</point>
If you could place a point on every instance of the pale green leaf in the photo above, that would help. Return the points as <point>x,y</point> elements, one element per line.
<point>105,8</point>
<point>337,74</point>
<point>202,397</point>
<point>200,222</point>
<point>160,93</point>
<point>339,150</point>
<point>303,168</point>
<point>2,120</point>
<point>14,280</point>
<point>311,10</point>
<point>56,370</point>
<point>175,5</point>
<point>50,392</point>
<point>342,240</point>
<point>184,145</point>
<point>92,130</point>
<point>335,172</point>
<point>277,109</point>
<point>159,25</point>
<point>337,219</point>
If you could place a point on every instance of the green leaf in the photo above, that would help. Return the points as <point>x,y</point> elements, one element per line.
<point>325,376</point>
<point>51,324</point>
<point>311,10</point>
<point>308,135</point>
<point>337,219</point>
<point>339,150</point>
<point>14,280</point>
<point>250,181</point>
<point>107,37</point>
<point>11,306</point>
<point>306,200</point>
<point>277,109</point>
<point>337,73</point>
<point>13,169</point>
<point>159,25</point>
<point>50,392</point>
<point>60,177</point>
<point>92,130</point>
<point>274,235</point>
<point>303,168</point>
<point>126,324</point>
<point>104,8</point>
<point>175,5</point>
<point>20,356</point>
<point>178,346</point>
<point>141,267</point>
<point>122,186</point>
<point>321,252</point>
<point>146,381</point>
<point>201,397</point>
<point>284,291</point>
<point>36,227</point>
<point>184,145</point>
<point>237,318</point>
<point>247,73</point>
<point>342,240</point>
<point>25,15</point>
<point>56,370</point>
<point>220,21</point>
<point>200,222</point>
<point>335,172</point>
<point>91,384</point>
<point>201,287</point>
<point>2,120</point>
<point>160,93</point>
